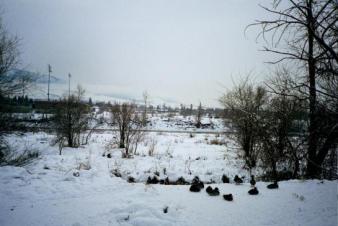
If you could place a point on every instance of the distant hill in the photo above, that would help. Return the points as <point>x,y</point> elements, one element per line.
<point>37,77</point>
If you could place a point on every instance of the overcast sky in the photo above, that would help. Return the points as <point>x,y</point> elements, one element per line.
<point>180,51</point>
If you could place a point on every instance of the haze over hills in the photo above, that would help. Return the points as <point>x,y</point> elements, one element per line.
<point>59,86</point>
<point>37,77</point>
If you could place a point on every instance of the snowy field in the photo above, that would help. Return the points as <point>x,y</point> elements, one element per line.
<point>157,121</point>
<point>80,187</point>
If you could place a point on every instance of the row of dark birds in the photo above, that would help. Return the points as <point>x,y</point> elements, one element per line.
<point>238,180</point>
<point>197,186</point>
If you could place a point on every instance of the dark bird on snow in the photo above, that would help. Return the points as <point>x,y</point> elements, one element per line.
<point>212,192</point>
<point>195,188</point>
<point>238,180</point>
<point>228,197</point>
<point>215,192</point>
<point>153,180</point>
<point>273,186</point>
<point>225,179</point>
<point>181,181</point>
<point>252,181</point>
<point>201,184</point>
<point>196,181</point>
<point>166,181</point>
<point>253,191</point>
<point>209,189</point>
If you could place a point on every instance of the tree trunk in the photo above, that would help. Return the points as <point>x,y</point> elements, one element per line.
<point>122,138</point>
<point>70,140</point>
<point>274,171</point>
<point>296,169</point>
<point>312,167</point>
<point>329,144</point>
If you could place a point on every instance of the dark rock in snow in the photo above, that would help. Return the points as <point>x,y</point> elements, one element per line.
<point>76,174</point>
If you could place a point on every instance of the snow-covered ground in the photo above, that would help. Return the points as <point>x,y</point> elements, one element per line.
<point>157,121</point>
<point>187,123</point>
<point>46,192</point>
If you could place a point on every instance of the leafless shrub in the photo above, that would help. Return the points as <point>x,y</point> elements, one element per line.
<point>10,157</point>
<point>276,127</point>
<point>245,103</point>
<point>145,96</point>
<point>129,126</point>
<point>152,145</point>
<point>169,151</point>
<point>187,165</point>
<point>217,142</point>
<point>71,119</point>
<point>199,116</point>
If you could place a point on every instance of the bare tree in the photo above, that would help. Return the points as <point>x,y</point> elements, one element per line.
<point>124,116</point>
<point>306,31</point>
<point>245,105</point>
<point>71,119</point>
<point>199,116</point>
<point>9,85</point>
<point>24,80</point>
<point>9,57</point>
<point>8,60</point>
<point>145,101</point>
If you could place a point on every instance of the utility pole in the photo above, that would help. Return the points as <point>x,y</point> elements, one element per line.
<point>49,71</point>
<point>69,76</point>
